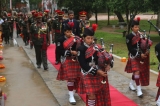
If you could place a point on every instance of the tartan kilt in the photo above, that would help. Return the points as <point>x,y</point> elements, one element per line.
<point>158,80</point>
<point>158,93</point>
<point>132,65</point>
<point>135,65</point>
<point>145,72</point>
<point>69,70</point>
<point>92,85</point>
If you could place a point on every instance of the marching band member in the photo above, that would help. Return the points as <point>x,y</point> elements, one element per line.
<point>56,29</point>
<point>83,22</point>
<point>6,29</point>
<point>94,80</point>
<point>138,61</point>
<point>70,68</point>
<point>41,40</point>
<point>157,51</point>
<point>24,29</point>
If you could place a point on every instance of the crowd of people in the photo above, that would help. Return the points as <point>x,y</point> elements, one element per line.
<point>83,63</point>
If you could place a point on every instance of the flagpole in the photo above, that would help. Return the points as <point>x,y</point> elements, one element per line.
<point>11,4</point>
<point>42,5</point>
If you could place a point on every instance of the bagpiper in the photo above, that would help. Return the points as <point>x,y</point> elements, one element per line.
<point>41,40</point>
<point>138,59</point>
<point>157,52</point>
<point>94,62</point>
<point>56,28</point>
<point>70,68</point>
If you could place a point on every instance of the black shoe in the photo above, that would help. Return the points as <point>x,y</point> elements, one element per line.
<point>38,66</point>
<point>57,62</point>
<point>45,68</point>
<point>25,44</point>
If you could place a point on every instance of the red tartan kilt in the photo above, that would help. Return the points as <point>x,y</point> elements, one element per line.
<point>132,65</point>
<point>69,70</point>
<point>92,85</point>
<point>158,80</point>
<point>158,93</point>
<point>135,65</point>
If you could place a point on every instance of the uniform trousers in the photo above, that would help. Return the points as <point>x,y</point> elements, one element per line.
<point>41,56</point>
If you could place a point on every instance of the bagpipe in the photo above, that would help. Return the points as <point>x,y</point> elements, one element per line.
<point>157,29</point>
<point>67,44</point>
<point>145,42</point>
<point>104,58</point>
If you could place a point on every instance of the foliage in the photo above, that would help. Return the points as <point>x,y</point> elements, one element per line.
<point>79,5</point>
<point>134,6</point>
<point>35,2</point>
<point>154,5</point>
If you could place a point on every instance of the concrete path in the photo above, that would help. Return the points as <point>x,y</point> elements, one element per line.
<point>23,85</point>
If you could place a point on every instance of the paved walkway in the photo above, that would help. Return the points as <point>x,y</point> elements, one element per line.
<point>24,85</point>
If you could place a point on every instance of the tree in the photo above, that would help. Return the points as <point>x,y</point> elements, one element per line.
<point>128,7</point>
<point>78,5</point>
<point>155,6</point>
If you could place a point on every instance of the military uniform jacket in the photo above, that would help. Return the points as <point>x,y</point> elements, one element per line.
<point>85,63</point>
<point>39,33</point>
<point>57,26</point>
<point>133,49</point>
<point>20,22</point>
<point>6,26</point>
<point>11,23</point>
<point>75,29</point>
<point>82,25</point>
<point>30,20</point>
<point>24,25</point>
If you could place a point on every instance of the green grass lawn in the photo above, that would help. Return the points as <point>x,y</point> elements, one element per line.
<point>144,25</point>
<point>120,48</point>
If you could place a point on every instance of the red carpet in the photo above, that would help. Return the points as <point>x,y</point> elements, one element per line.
<point>117,98</point>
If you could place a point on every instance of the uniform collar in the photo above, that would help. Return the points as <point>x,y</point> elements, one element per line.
<point>86,45</point>
<point>134,33</point>
<point>65,37</point>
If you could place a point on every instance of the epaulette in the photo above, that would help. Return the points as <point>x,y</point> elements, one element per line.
<point>78,20</point>
<point>44,22</point>
<point>32,23</point>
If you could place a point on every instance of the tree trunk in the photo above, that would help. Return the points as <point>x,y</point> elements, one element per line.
<point>96,16</point>
<point>119,15</point>
<point>127,16</point>
<point>158,19</point>
<point>0,8</point>
<point>130,22</point>
<point>108,10</point>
